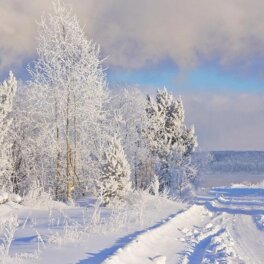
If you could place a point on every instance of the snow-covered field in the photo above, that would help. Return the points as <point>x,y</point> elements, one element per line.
<point>51,232</point>
<point>222,225</point>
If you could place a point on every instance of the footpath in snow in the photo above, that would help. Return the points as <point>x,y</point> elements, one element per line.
<point>225,226</point>
<point>45,231</point>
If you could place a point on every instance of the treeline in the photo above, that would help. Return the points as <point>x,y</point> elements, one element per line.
<point>66,133</point>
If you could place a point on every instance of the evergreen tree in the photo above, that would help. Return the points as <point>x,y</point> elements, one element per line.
<point>114,182</point>
<point>169,140</point>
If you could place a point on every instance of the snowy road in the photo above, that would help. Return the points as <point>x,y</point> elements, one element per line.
<point>225,226</point>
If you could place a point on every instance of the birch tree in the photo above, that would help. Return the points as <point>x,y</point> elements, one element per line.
<point>68,91</point>
<point>22,144</point>
<point>130,102</point>
<point>7,92</point>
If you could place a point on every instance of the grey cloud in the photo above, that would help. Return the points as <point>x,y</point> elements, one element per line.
<point>18,30</point>
<point>231,121</point>
<point>136,33</point>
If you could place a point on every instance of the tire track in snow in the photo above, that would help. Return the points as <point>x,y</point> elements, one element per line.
<point>259,220</point>
<point>166,243</point>
<point>214,206</point>
<point>215,230</point>
<point>248,239</point>
<point>213,244</point>
<point>200,249</point>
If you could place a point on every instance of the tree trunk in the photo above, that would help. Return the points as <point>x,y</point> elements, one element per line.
<point>58,162</point>
<point>75,159</point>
<point>164,175</point>
<point>68,150</point>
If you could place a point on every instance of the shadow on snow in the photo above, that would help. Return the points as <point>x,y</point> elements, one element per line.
<point>97,258</point>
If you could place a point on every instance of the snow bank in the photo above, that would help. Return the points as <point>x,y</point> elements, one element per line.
<point>149,241</point>
<point>6,197</point>
<point>38,199</point>
<point>248,185</point>
<point>259,219</point>
<point>3,197</point>
<point>15,198</point>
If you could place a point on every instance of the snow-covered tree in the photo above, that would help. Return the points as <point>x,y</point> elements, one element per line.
<point>169,140</point>
<point>114,182</point>
<point>22,147</point>
<point>68,91</point>
<point>130,103</point>
<point>7,92</point>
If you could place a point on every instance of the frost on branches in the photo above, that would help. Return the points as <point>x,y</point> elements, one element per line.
<point>169,140</point>
<point>68,91</point>
<point>130,102</point>
<point>7,93</point>
<point>114,183</point>
<point>22,145</point>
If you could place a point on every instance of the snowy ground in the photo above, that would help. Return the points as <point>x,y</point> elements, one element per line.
<point>51,232</point>
<point>222,225</point>
<point>225,226</point>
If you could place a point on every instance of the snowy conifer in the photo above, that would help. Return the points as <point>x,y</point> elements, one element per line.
<point>170,141</point>
<point>114,183</point>
<point>7,93</point>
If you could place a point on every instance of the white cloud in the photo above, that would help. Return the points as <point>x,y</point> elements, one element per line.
<point>134,33</point>
<point>18,30</point>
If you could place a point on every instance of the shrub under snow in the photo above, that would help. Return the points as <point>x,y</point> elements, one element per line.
<point>9,197</point>
<point>3,197</point>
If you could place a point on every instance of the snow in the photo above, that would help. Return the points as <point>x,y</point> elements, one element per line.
<point>67,137</point>
<point>68,234</point>
<point>219,225</point>
<point>224,225</point>
<point>205,233</point>
<point>3,197</point>
<point>15,198</point>
<point>12,197</point>
<point>259,219</point>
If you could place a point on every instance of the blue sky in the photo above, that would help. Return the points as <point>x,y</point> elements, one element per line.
<point>211,53</point>
<point>198,79</point>
<point>226,106</point>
